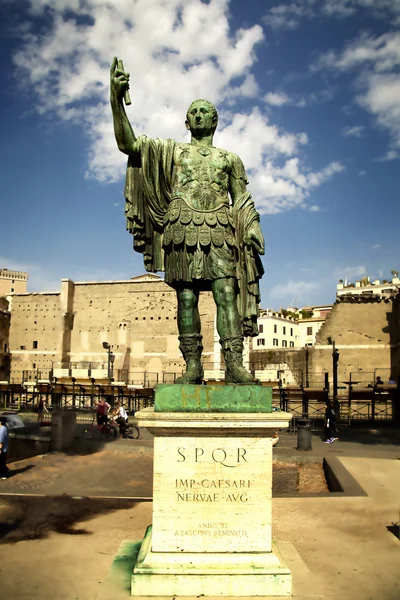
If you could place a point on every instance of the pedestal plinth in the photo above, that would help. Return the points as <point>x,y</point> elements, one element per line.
<point>211,531</point>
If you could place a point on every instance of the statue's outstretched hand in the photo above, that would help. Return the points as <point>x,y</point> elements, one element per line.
<point>255,238</point>
<point>119,80</point>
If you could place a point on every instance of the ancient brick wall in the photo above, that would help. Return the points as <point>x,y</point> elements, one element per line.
<point>294,358</point>
<point>136,318</point>
<point>138,321</point>
<point>35,331</point>
<point>361,333</point>
<point>4,339</point>
<point>366,333</point>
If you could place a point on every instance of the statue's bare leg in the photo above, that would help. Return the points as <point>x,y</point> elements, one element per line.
<point>189,327</point>
<point>230,330</point>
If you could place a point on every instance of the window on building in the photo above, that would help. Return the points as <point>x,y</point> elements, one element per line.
<point>275,328</point>
<point>33,365</point>
<point>35,345</point>
<point>291,331</point>
<point>284,344</point>
<point>291,344</point>
<point>260,328</point>
<point>309,330</point>
<point>22,347</point>
<point>275,342</point>
<point>284,330</point>
<point>261,342</point>
<point>5,347</point>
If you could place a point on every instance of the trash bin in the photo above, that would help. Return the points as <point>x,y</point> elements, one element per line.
<point>304,434</point>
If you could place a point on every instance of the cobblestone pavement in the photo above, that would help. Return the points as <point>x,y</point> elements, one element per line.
<point>124,469</point>
<point>66,546</point>
<point>114,471</point>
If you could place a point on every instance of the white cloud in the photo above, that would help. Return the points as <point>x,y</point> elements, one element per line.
<point>355,131</point>
<point>362,173</point>
<point>382,53</point>
<point>389,156</point>
<point>382,99</point>
<point>376,246</point>
<point>176,51</point>
<point>277,98</point>
<point>351,272</point>
<point>295,290</point>
<point>277,189</point>
<point>282,98</point>
<point>290,14</point>
<point>377,60</point>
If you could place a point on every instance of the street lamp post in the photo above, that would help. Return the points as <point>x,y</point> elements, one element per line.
<point>335,360</point>
<point>110,359</point>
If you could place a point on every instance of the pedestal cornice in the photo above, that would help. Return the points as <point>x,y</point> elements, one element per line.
<point>212,424</point>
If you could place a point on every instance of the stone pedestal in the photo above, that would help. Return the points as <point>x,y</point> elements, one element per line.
<point>211,532</point>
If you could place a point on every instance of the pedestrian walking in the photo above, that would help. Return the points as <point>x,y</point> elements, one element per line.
<point>3,448</point>
<point>40,408</point>
<point>330,424</point>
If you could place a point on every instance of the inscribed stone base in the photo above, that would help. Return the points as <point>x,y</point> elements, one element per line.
<point>212,494</point>
<point>212,489</point>
<point>209,574</point>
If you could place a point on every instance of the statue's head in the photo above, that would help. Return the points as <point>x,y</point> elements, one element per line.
<point>201,116</point>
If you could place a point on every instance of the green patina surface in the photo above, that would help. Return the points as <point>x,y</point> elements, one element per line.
<point>172,397</point>
<point>191,215</point>
<point>120,574</point>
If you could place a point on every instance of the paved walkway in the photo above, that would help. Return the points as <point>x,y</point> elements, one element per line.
<point>124,468</point>
<point>64,548</point>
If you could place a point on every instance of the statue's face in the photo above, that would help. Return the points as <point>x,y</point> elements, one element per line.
<point>201,117</point>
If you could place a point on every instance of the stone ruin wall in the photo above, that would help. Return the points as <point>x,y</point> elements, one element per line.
<point>362,335</point>
<point>4,339</point>
<point>35,318</point>
<point>137,319</point>
<point>139,322</point>
<point>366,333</point>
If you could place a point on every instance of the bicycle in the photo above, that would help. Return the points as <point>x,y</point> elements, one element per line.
<point>109,429</point>
<point>131,431</point>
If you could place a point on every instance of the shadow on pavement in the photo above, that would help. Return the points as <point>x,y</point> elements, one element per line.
<point>35,518</point>
<point>13,472</point>
<point>371,436</point>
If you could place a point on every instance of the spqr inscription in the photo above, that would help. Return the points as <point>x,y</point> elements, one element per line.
<point>228,457</point>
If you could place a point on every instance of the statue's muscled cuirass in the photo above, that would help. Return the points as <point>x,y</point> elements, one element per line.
<point>201,176</point>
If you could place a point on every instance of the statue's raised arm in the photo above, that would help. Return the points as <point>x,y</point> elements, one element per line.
<point>119,86</point>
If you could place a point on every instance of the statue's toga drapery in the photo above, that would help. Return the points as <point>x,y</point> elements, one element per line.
<point>175,238</point>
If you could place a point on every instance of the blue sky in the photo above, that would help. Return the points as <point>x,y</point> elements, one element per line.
<point>308,93</point>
